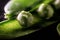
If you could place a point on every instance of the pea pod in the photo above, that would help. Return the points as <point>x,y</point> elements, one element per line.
<point>13,28</point>
<point>16,27</point>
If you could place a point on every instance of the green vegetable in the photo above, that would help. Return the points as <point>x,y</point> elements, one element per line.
<point>26,19</point>
<point>20,18</point>
<point>45,11</point>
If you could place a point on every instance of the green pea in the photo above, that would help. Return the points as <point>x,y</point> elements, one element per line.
<point>14,28</point>
<point>45,11</point>
<point>26,19</point>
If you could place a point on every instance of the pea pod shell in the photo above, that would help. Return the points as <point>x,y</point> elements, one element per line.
<point>12,29</point>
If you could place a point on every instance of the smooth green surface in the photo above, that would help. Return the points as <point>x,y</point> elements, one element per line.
<point>9,26</point>
<point>12,29</point>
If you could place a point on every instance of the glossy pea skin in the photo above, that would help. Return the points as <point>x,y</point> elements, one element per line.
<point>12,28</point>
<point>26,19</point>
<point>45,11</point>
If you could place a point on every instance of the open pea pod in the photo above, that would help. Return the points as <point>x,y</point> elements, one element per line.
<point>12,28</point>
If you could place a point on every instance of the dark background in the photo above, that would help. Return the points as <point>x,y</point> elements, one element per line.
<point>49,33</point>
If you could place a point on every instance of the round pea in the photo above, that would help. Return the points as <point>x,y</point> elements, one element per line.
<point>45,11</point>
<point>26,19</point>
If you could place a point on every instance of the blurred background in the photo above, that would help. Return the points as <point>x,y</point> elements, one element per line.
<point>49,33</point>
